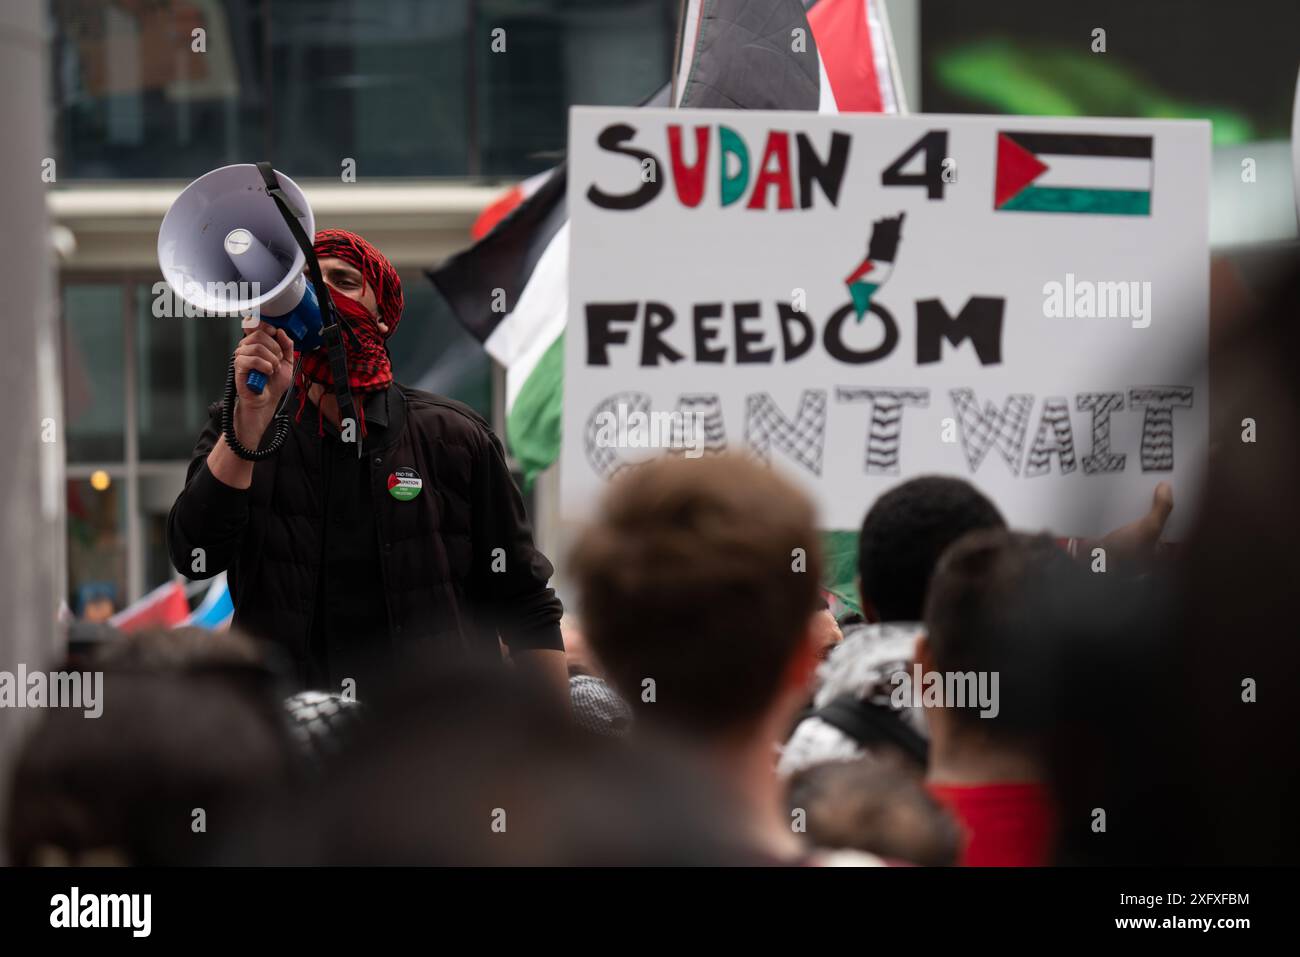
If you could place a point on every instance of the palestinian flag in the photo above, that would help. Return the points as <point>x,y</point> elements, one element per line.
<point>732,54</point>
<point>505,204</point>
<point>1073,173</point>
<point>879,264</point>
<point>511,291</point>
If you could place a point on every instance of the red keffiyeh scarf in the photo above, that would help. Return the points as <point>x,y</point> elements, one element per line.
<point>369,368</point>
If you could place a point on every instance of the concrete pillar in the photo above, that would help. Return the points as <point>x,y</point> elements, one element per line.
<point>31,408</point>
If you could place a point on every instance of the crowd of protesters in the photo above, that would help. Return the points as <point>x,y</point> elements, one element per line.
<point>719,714</point>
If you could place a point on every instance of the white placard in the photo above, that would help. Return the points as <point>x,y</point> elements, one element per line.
<point>1037,326</point>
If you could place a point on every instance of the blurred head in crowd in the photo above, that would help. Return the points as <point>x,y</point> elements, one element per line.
<point>985,610</point>
<point>166,775</point>
<point>904,533</point>
<point>233,657</point>
<point>877,807</point>
<point>988,620</point>
<point>95,602</point>
<point>698,583</point>
<point>318,721</point>
<point>178,649</point>
<point>477,767</point>
<point>826,631</point>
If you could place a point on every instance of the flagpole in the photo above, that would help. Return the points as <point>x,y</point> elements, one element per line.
<point>900,94</point>
<point>32,430</point>
<point>1295,147</point>
<point>677,51</point>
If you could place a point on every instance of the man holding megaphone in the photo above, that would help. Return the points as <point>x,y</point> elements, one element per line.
<point>363,537</point>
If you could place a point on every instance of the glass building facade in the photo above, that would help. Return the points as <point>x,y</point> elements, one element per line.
<point>405,88</point>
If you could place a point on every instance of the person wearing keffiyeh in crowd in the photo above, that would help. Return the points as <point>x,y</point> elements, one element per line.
<point>354,560</point>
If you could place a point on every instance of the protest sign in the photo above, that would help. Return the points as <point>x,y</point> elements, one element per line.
<point>1022,302</point>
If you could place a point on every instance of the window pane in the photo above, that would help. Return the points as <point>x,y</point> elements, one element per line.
<point>381,82</point>
<point>559,53</point>
<point>134,98</point>
<point>96,547</point>
<point>94,380</point>
<point>403,87</point>
<point>182,368</point>
<point>157,494</point>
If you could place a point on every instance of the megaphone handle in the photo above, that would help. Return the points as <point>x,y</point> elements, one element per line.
<point>279,424</point>
<point>256,382</point>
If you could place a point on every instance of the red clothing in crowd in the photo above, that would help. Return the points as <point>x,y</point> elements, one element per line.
<point>1003,825</point>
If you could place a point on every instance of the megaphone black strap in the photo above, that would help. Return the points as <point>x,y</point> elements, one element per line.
<point>291,214</point>
<point>339,370</point>
<point>330,333</point>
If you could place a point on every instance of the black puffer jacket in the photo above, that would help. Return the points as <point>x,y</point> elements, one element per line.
<point>436,550</point>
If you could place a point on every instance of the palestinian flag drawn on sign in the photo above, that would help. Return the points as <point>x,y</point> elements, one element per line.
<point>1073,173</point>
<point>879,264</point>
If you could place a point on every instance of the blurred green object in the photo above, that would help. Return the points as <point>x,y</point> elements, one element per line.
<point>533,425</point>
<point>840,568</point>
<point>1049,81</point>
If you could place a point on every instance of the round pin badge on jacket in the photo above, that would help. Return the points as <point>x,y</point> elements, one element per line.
<point>404,484</point>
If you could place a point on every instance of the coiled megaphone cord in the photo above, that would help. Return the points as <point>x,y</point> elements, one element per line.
<point>280,421</point>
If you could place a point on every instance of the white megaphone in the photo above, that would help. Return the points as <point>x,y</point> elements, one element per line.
<point>225,248</point>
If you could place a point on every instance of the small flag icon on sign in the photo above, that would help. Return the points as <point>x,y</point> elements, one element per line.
<point>1073,173</point>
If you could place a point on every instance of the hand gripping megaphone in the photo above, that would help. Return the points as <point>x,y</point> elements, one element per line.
<point>236,242</point>
<point>225,248</point>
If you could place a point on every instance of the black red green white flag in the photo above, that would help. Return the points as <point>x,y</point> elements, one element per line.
<point>1073,173</point>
